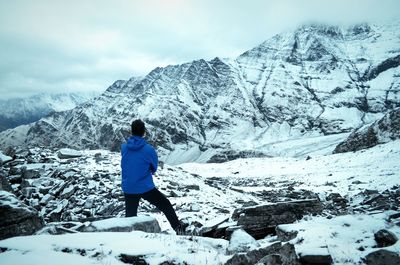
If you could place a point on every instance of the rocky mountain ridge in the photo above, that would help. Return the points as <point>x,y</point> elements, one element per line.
<point>318,81</point>
<point>18,111</point>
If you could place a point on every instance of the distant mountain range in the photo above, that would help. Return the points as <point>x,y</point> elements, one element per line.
<point>18,111</point>
<point>298,93</point>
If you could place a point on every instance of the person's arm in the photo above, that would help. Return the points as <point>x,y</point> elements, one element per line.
<point>153,161</point>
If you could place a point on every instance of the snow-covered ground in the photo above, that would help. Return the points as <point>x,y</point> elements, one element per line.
<point>209,192</point>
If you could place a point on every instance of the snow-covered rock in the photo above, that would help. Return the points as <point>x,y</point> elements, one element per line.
<point>138,223</point>
<point>4,158</point>
<point>68,153</point>
<point>17,218</point>
<point>241,242</point>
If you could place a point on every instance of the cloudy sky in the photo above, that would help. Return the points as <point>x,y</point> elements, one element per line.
<point>77,45</point>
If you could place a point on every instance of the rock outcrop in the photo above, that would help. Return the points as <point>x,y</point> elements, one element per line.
<point>17,219</point>
<point>261,220</point>
<point>382,131</point>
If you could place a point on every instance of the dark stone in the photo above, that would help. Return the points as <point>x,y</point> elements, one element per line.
<point>286,252</point>
<point>131,259</point>
<point>260,221</point>
<point>382,257</point>
<point>30,173</point>
<point>4,183</point>
<point>317,259</point>
<point>17,219</point>
<point>285,256</point>
<point>385,238</point>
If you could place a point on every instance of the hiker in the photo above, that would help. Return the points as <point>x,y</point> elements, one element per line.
<point>139,162</point>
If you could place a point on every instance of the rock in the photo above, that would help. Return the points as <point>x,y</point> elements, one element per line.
<point>4,183</point>
<point>337,199</point>
<point>58,188</point>
<point>16,218</point>
<point>284,234</point>
<point>55,215</point>
<point>110,209</point>
<point>253,256</point>
<point>46,199</point>
<point>382,257</point>
<point>68,191</point>
<point>318,256</point>
<point>286,252</point>
<point>261,220</point>
<point>385,238</point>
<point>137,223</point>
<point>4,158</point>
<point>66,153</point>
<point>30,173</point>
<point>285,256</point>
<point>28,191</point>
<point>241,242</point>
<point>210,229</point>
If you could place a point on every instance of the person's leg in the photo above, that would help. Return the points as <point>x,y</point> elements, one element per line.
<point>159,200</point>
<point>131,204</point>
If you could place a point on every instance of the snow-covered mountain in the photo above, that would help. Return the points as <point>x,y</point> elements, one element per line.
<point>297,93</point>
<point>18,111</point>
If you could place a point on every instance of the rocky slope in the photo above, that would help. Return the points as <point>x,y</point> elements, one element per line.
<point>382,131</point>
<point>17,111</point>
<point>318,81</point>
<point>347,198</point>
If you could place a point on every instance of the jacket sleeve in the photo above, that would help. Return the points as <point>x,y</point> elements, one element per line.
<point>153,160</point>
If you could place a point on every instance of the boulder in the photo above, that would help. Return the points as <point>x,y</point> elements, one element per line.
<point>137,223</point>
<point>4,183</point>
<point>241,242</point>
<point>260,256</point>
<point>285,256</point>
<point>30,173</point>
<point>16,218</point>
<point>318,256</point>
<point>261,220</point>
<point>66,153</point>
<point>382,257</point>
<point>4,158</point>
<point>385,238</point>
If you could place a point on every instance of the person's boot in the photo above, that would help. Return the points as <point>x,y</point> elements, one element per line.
<point>181,229</point>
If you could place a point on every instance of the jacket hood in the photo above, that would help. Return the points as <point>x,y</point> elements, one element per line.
<point>135,142</point>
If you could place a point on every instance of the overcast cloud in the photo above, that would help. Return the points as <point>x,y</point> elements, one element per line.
<point>74,45</point>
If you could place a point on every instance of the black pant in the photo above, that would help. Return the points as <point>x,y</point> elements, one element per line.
<point>156,198</point>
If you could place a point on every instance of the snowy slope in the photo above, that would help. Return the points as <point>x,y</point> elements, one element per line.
<point>314,82</point>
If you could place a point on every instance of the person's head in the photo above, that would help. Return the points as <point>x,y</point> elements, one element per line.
<point>138,128</point>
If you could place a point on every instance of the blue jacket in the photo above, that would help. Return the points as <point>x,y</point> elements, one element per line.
<point>138,162</point>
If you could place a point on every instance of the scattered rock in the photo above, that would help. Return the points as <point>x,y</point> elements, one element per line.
<point>382,257</point>
<point>385,238</point>
<point>16,218</point>
<point>260,221</point>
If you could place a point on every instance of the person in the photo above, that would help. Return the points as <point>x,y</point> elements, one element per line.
<point>139,161</point>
